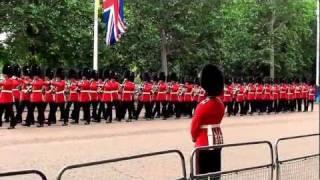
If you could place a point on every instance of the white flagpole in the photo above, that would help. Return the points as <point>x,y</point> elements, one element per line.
<point>95,36</point>
<point>317,59</point>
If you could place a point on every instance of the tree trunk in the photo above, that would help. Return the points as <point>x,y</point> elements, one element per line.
<point>272,70</point>
<point>164,62</point>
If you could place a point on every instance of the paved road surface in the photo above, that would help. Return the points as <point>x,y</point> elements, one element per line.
<point>49,149</point>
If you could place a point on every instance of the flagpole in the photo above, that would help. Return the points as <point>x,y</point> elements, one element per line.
<point>95,35</point>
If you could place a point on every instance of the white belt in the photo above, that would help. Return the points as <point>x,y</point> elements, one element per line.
<point>73,92</point>
<point>210,132</point>
<point>187,93</point>
<point>109,92</point>
<point>174,93</point>
<point>162,92</point>
<point>37,91</point>
<point>60,92</point>
<point>128,92</point>
<point>6,91</point>
<point>85,91</point>
<point>146,93</point>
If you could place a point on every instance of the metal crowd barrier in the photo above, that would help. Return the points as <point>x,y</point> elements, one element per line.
<point>263,172</point>
<point>76,166</point>
<point>299,168</point>
<point>24,172</point>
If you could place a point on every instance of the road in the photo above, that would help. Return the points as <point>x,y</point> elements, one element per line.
<point>51,148</point>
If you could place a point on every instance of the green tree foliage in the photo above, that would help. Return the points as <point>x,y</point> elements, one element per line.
<point>241,35</point>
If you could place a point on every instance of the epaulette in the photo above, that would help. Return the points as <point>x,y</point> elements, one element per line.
<point>205,101</point>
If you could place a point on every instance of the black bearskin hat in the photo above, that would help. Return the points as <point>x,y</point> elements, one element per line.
<point>173,77</point>
<point>72,74</point>
<point>35,70</point>
<point>212,80</point>
<point>155,77</point>
<point>162,76</point>
<point>7,70</point>
<point>26,71</point>
<point>94,74</point>
<point>106,74</point>
<point>16,70</point>
<point>132,76</point>
<point>146,77</point>
<point>126,75</point>
<point>196,81</point>
<point>60,73</point>
<point>112,75</point>
<point>100,74</point>
<point>86,73</point>
<point>49,73</point>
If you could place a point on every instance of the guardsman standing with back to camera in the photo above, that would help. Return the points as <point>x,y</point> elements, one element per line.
<point>205,126</point>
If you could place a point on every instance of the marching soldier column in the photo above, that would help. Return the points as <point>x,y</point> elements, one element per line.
<point>96,95</point>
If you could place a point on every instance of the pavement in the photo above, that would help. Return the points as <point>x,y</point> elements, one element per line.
<point>49,149</point>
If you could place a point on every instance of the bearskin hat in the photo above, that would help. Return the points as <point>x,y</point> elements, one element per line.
<point>146,77</point>
<point>212,80</point>
<point>162,76</point>
<point>112,75</point>
<point>155,77</point>
<point>60,73</point>
<point>72,74</point>
<point>35,70</point>
<point>126,75</point>
<point>106,74</point>
<point>49,73</point>
<point>7,70</point>
<point>16,70</point>
<point>26,71</point>
<point>86,73</point>
<point>196,81</point>
<point>94,74</point>
<point>132,76</point>
<point>173,77</point>
<point>100,74</point>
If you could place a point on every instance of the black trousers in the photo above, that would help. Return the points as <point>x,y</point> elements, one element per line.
<point>305,105</point>
<point>276,106</point>
<point>170,108</point>
<point>7,108</point>
<point>208,161</point>
<point>157,109</point>
<point>108,115</point>
<point>299,104</point>
<point>21,107</point>
<point>94,114</point>
<point>52,113</point>
<point>86,111</point>
<point>40,107</point>
<point>177,109</point>
<point>61,107</point>
<point>67,110</point>
<point>148,109</point>
<point>229,107</point>
<point>7,114</point>
<point>117,106</point>
<point>127,106</point>
<point>310,102</point>
<point>238,106</point>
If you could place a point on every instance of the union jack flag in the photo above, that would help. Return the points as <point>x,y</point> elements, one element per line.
<point>114,19</point>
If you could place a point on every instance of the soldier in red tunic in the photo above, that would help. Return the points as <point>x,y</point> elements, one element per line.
<point>36,98</point>
<point>94,99</point>
<point>6,96</point>
<point>161,97</point>
<point>304,95</point>
<point>283,97</point>
<point>227,96</point>
<point>48,96</point>
<point>127,92</point>
<point>100,84</point>
<point>311,94</point>
<point>16,80</point>
<point>205,126</point>
<point>24,94</point>
<point>239,98</point>
<point>144,99</point>
<point>59,86</point>
<point>251,93</point>
<point>73,95</point>
<point>107,97</point>
<point>84,97</point>
<point>174,95</point>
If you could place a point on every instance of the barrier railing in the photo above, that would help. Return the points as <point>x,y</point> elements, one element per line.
<point>183,166</point>
<point>24,172</point>
<point>298,168</point>
<point>263,172</point>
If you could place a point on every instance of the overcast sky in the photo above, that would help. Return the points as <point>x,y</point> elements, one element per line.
<point>2,36</point>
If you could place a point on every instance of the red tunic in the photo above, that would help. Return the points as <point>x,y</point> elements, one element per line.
<point>290,92</point>
<point>162,91</point>
<point>297,92</point>
<point>146,92</point>
<point>259,92</point>
<point>304,91</point>
<point>174,93</point>
<point>115,90</point>
<point>36,95</point>
<point>267,92</point>
<point>240,94</point>
<point>275,90</point>
<point>107,92</point>
<point>6,95</point>
<point>312,93</point>
<point>188,93</point>
<point>128,91</point>
<point>251,92</point>
<point>16,82</point>
<point>84,86</point>
<point>227,95</point>
<point>59,91</point>
<point>73,96</point>
<point>48,96</point>
<point>208,112</point>
<point>94,91</point>
<point>25,96</point>
<point>283,92</point>
<point>202,95</point>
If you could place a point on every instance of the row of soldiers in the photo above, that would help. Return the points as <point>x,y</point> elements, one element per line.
<point>97,94</point>
<point>101,95</point>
